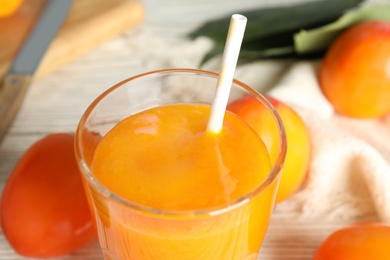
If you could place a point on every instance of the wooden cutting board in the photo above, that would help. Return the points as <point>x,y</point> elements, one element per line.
<point>88,24</point>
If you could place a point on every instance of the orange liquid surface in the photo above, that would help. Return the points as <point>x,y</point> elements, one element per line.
<point>163,158</point>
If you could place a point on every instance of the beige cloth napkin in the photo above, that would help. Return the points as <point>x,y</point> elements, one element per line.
<point>349,176</point>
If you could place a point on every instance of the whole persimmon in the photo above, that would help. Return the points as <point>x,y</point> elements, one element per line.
<point>297,159</point>
<point>356,242</point>
<point>44,210</point>
<point>355,73</point>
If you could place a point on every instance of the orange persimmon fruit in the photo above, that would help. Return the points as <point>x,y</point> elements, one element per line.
<point>359,241</point>
<point>44,210</point>
<point>8,7</point>
<point>355,73</point>
<point>298,154</point>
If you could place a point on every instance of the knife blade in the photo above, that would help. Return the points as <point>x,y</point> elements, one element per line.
<point>17,79</point>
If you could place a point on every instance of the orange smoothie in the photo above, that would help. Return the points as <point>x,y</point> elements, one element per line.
<point>162,159</point>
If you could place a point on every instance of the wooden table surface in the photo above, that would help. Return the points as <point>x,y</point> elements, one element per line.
<point>56,102</point>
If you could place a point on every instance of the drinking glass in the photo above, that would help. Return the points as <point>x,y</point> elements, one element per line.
<point>128,230</point>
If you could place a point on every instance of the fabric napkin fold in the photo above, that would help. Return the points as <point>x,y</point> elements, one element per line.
<point>349,175</point>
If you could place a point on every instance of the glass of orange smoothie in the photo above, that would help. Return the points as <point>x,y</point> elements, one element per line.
<point>160,186</point>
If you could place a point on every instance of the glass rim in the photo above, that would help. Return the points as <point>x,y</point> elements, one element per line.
<point>209,211</point>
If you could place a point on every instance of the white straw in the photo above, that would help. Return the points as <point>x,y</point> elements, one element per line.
<point>226,73</point>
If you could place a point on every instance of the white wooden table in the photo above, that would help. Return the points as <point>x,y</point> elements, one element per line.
<point>56,102</point>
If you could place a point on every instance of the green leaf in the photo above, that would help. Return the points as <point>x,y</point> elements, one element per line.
<point>320,38</point>
<point>275,25</point>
